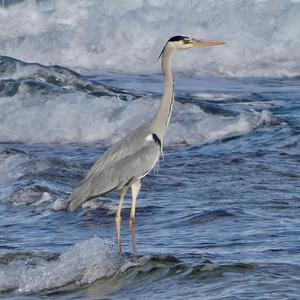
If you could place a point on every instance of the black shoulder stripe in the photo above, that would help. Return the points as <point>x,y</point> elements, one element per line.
<point>156,139</point>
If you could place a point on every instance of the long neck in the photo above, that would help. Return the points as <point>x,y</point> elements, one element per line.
<point>161,119</point>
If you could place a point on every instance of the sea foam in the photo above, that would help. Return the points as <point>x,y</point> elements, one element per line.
<point>80,264</point>
<point>79,118</point>
<point>261,36</point>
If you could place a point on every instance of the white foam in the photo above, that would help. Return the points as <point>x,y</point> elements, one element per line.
<point>78,118</point>
<point>262,36</point>
<point>193,126</point>
<point>214,96</point>
<point>66,118</point>
<point>38,200</point>
<point>109,206</point>
<point>60,204</point>
<point>83,263</point>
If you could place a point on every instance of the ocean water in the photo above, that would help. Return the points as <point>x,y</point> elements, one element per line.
<point>218,218</point>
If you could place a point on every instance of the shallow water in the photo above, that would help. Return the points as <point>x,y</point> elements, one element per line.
<point>218,219</point>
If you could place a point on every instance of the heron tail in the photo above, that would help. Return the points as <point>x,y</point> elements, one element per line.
<point>93,186</point>
<point>88,190</point>
<point>79,196</point>
<point>75,202</point>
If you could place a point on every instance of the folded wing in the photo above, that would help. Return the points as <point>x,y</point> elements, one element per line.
<point>122,164</point>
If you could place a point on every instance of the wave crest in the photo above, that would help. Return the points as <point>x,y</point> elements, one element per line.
<point>261,36</point>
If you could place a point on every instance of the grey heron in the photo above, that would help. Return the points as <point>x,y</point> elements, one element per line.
<point>125,163</point>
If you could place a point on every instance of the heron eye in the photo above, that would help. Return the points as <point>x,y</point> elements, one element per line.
<point>186,41</point>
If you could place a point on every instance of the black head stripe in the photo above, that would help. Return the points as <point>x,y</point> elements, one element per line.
<point>177,38</point>
<point>156,139</point>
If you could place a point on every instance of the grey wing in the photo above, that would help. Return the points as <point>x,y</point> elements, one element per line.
<point>117,175</point>
<point>123,148</point>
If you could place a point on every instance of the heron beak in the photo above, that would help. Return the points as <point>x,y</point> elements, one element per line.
<point>205,43</point>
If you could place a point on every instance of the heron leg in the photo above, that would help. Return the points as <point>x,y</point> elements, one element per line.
<point>118,218</point>
<point>135,188</point>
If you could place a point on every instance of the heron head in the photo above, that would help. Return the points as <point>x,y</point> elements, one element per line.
<point>179,42</point>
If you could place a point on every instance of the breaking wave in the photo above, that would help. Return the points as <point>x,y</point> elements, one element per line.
<point>262,36</point>
<point>73,118</point>
<point>53,104</point>
<point>91,260</point>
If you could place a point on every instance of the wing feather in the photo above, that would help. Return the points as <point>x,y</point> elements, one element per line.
<point>125,147</point>
<point>124,162</point>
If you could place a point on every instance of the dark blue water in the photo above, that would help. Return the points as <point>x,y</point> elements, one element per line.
<point>218,219</point>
